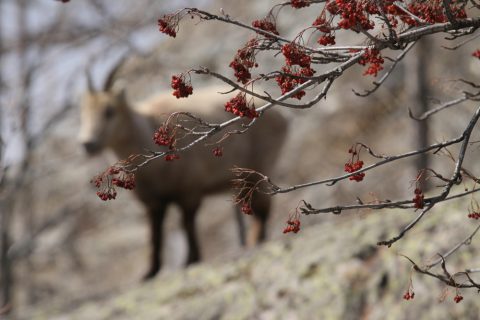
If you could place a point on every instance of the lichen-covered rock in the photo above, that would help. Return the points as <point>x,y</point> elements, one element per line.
<point>330,271</point>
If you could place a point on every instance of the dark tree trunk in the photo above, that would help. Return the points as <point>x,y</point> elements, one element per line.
<point>419,92</point>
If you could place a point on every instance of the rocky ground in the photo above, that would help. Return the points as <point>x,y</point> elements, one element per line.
<point>329,271</point>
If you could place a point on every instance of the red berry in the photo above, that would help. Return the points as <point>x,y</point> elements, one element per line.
<point>217,152</point>
<point>180,87</point>
<point>244,60</point>
<point>246,208</point>
<point>164,137</point>
<point>409,295</point>
<point>325,40</point>
<point>288,83</point>
<point>168,25</point>
<point>352,167</point>
<point>299,3</point>
<point>267,24</point>
<point>292,226</point>
<point>295,55</point>
<point>238,106</point>
<point>171,157</point>
<point>418,201</point>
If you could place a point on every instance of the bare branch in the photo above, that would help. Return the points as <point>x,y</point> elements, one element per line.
<point>385,76</point>
<point>441,107</point>
<point>464,242</point>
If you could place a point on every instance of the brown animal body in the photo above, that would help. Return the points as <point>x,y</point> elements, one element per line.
<point>108,121</point>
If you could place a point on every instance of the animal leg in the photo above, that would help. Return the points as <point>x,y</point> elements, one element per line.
<point>239,216</point>
<point>189,209</point>
<point>258,230</point>
<point>156,218</point>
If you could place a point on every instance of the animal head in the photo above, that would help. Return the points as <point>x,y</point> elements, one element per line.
<point>101,112</point>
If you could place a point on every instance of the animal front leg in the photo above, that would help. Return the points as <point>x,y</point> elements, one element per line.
<point>190,208</point>
<point>156,218</point>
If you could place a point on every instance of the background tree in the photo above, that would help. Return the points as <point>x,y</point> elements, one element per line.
<point>36,96</point>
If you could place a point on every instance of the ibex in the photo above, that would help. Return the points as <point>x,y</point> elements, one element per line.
<point>109,121</point>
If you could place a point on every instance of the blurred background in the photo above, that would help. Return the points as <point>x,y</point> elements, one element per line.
<point>61,247</point>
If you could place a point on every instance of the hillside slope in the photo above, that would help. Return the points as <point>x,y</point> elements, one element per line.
<point>328,271</point>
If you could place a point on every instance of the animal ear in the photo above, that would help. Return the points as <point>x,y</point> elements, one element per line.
<point>113,73</point>
<point>122,94</point>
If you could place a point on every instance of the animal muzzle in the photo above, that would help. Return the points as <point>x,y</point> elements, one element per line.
<point>92,147</point>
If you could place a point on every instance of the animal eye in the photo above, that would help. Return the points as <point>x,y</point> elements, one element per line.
<point>109,112</point>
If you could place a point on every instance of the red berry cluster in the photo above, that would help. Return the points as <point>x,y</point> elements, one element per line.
<point>326,39</point>
<point>293,225</point>
<point>267,24</point>
<point>457,298</point>
<point>287,83</point>
<point>217,151</point>
<point>168,24</point>
<point>297,4</point>
<point>99,180</point>
<point>474,215</point>
<point>181,88</point>
<point>322,25</point>
<point>418,201</point>
<point>107,194</point>
<point>293,222</point>
<point>359,15</point>
<point>126,181</point>
<point>353,14</point>
<point>433,11</point>
<point>239,107</point>
<point>476,54</point>
<point>355,164</point>
<point>243,61</point>
<point>375,60</point>
<point>356,14</point>
<point>164,137</point>
<point>113,176</point>
<point>171,157</point>
<point>296,55</point>
<point>240,71</point>
<point>246,208</point>
<point>409,295</point>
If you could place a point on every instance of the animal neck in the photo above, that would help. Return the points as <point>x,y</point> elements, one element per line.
<point>134,134</point>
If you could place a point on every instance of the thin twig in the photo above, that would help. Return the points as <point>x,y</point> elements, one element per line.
<point>385,76</point>
<point>465,241</point>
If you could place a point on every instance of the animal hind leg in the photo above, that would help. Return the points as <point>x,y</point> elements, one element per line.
<point>156,217</point>
<point>257,232</point>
